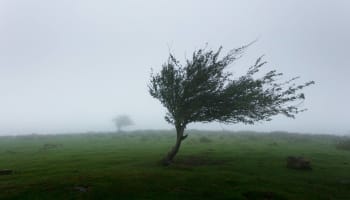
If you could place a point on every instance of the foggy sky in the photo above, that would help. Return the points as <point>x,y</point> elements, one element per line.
<point>71,66</point>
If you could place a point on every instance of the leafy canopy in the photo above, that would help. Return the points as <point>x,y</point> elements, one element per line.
<point>203,91</point>
<point>122,120</point>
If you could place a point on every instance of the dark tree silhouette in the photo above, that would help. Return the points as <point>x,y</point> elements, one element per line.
<point>122,121</point>
<point>202,91</point>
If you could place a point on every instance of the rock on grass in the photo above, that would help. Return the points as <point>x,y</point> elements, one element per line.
<point>298,163</point>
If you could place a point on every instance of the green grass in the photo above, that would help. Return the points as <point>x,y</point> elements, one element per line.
<point>224,165</point>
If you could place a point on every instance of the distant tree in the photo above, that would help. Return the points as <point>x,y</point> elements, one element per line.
<point>202,91</point>
<point>122,121</point>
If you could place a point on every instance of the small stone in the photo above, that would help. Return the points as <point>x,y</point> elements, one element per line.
<point>81,188</point>
<point>298,163</point>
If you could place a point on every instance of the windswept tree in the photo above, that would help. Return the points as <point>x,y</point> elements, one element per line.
<point>122,121</point>
<point>202,90</point>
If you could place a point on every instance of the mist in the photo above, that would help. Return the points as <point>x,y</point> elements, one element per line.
<point>72,66</point>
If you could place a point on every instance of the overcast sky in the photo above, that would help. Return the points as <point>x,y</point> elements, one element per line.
<point>71,66</point>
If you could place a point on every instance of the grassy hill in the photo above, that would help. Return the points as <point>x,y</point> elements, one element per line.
<point>210,165</point>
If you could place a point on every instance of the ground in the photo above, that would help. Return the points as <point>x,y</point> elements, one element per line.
<point>210,165</point>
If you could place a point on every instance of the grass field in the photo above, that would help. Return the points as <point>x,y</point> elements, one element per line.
<point>210,165</point>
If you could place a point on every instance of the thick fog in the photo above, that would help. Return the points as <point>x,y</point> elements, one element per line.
<point>72,66</point>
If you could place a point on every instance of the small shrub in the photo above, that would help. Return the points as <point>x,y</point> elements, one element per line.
<point>344,145</point>
<point>48,146</point>
<point>204,139</point>
<point>222,137</point>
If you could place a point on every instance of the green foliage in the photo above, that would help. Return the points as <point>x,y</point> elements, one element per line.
<point>202,91</point>
<point>122,121</point>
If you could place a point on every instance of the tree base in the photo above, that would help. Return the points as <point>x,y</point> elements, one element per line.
<point>165,162</point>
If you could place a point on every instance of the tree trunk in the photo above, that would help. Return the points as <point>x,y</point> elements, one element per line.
<point>168,159</point>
